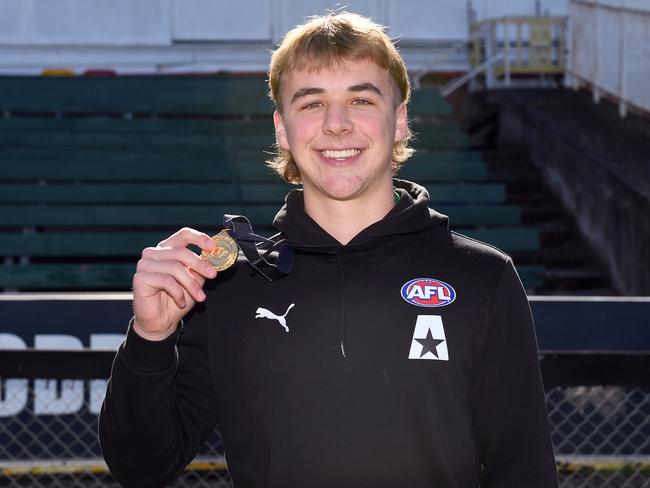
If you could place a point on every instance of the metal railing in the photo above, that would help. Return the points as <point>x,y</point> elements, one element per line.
<point>609,52</point>
<point>531,45</point>
<point>507,47</point>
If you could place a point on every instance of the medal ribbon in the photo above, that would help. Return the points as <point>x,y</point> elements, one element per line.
<point>239,228</point>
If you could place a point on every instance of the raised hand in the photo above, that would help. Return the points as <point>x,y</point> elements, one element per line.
<point>168,282</point>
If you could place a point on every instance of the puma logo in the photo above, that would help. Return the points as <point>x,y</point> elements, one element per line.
<point>263,313</point>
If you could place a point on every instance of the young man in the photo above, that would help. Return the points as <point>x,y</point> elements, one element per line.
<point>396,353</point>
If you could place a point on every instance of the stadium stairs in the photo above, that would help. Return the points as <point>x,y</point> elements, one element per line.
<point>570,264</point>
<point>93,169</point>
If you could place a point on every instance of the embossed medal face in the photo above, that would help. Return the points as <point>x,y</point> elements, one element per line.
<point>224,254</point>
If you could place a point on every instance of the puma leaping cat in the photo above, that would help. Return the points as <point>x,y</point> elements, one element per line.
<point>263,313</point>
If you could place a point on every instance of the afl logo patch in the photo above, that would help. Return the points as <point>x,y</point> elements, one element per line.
<point>427,292</point>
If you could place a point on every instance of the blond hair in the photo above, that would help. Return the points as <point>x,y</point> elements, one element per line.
<point>329,40</point>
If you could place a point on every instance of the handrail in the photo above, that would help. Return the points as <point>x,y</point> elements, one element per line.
<point>607,53</point>
<point>457,47</point>
<point>536,47</point>
<point>456,83</point>
<point>521,18</point>
<point>443,56</point>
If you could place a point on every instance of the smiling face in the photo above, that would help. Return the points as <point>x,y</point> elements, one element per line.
<point>340,124</point>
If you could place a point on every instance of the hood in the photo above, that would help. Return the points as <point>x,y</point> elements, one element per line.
<point>410,215</point>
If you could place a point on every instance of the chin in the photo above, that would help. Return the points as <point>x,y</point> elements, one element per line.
<point>342,189</point>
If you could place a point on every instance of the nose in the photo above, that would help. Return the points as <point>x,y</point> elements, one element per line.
<point>337,120</point>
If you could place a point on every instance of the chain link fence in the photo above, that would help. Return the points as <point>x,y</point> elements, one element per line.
<point>48,437</point>
<point>601,435</point>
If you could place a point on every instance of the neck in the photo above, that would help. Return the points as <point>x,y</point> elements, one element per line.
<point>344,219</point>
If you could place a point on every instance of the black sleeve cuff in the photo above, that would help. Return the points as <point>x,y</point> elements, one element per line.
<point>150,356</point>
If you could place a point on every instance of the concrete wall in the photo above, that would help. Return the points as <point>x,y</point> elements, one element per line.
<point>172,35</point>
<point>88,22</point>
<point>599,171</point>
<point>610,49</point>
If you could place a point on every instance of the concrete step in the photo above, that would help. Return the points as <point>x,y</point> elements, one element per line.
<point>569,265</point>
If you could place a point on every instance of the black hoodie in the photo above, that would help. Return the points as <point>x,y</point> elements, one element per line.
<point>406,358</point>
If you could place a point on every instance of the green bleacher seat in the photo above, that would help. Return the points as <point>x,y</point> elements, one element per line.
<point>212,95</point>
<point>119,276</point>
<point>481,215</point>
<point>443,171</point>
<point>171,216</point>
<point>466,193</point>
<point>94,169</point>
<point>428,102</point>
<point>531,276</point>
<point>137,141</point>
<point>458,156</point>
<point>127,166</point>
<point>68,276</point>
<point>206,216</point>
<point>507,238</point>
<point>198,193</point>
<point>146,125</point>
<point>439,136</point>
<point>207,193</point>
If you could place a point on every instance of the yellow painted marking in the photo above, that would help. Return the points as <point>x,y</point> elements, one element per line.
<point>57,72</point>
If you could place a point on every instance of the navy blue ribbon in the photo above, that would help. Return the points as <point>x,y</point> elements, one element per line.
<point>277,258</point>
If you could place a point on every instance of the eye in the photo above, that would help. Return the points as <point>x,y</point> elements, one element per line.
<point>361,101</point>
<point>311,105</point>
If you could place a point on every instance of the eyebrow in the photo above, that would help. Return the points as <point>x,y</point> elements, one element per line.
<point>303,92</point>
<point>361,87</point>
<point>365,87</point>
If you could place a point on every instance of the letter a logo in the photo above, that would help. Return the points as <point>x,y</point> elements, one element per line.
<point>429,341</point>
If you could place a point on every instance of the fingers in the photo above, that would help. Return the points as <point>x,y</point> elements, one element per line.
<point>181,255</point>
<point>187,236</point>
<point>149,284</point>
<point>173,268</point>
<point>192,283</point>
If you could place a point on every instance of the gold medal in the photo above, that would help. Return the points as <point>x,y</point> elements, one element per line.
<point>224,254</point>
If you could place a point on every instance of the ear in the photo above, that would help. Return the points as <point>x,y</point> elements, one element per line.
<point>401,124</point>
<point>280,131</point>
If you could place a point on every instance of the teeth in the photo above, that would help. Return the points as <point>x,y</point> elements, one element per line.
<point>347,153</point>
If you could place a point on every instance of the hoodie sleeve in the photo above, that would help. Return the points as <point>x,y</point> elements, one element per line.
<point>510,420</point>
<point>159,406</point>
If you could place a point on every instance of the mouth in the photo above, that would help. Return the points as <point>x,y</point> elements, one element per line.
<point>340,155</point>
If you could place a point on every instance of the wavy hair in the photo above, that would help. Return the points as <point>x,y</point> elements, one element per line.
<point>329,40</point>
